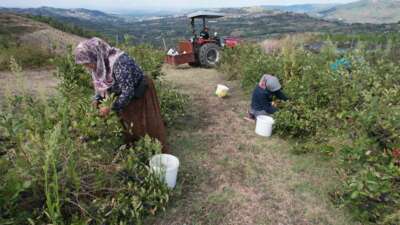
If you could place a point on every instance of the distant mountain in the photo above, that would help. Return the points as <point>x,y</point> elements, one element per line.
<point>66,14</point>
<point>91,20</point>
<point>147,12</point>
<point>301,8</point>
<point>365,11</point>
<point>251,23</point>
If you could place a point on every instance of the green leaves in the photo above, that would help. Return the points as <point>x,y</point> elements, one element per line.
<point>143,192</point>
<point>173,104</point>
<point>108,101</point>
<point>149,59</point>
<point>61,163</point>
<point>360,108</point>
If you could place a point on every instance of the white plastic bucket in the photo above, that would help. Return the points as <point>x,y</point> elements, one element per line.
<point>222,90</point>
<point>264,126</point>
<point>167,167</point>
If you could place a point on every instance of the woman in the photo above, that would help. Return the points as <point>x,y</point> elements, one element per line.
<point>113,71</point>
<point>261,102</point>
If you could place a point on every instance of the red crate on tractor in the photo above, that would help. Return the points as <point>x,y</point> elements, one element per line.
<point>186,54</point>
<point>201,51</point>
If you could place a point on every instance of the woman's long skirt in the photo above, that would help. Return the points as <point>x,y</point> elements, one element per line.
<point>143,116</point>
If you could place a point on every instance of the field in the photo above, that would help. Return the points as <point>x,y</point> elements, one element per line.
<point>236,177</point>
<point>334,157</point>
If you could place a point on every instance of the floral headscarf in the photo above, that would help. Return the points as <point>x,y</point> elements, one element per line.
<point>98,52</point>
<point>270,83</point>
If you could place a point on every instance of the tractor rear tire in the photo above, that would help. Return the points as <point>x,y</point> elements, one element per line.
<point>209,55</point>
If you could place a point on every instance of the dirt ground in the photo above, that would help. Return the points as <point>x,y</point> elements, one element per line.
<point>229,175</point>
<point>41,80</point>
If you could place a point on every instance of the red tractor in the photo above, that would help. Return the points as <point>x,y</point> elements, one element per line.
<point>201,50</point>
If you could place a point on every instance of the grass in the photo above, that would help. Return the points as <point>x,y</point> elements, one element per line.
<point>27,56</point>
<point>230,176</point>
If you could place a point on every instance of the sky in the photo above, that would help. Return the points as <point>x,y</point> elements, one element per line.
<point>107,5</point>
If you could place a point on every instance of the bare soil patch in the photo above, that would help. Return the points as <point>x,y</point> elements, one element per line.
<point>36,81</point>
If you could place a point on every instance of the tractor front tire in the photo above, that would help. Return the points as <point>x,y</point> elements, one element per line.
<point>209,55</point>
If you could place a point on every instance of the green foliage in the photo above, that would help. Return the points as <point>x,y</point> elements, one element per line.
<point>51,177</point>
<point>72,76</point>
<point>246,63</point>
<point>108,101</point>
<point>61,163</point>
<point>149,58</point>
<point>132,204</point>
<point>299,121</point>
<point>372,180</point>
<point>172,102</point>
<point>360,108</point>
<point>26,55</point>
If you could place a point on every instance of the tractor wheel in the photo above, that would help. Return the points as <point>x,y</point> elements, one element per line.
<point>209,55</point>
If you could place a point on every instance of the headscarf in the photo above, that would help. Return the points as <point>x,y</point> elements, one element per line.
<point>98,52</point>
<point>270,83</point>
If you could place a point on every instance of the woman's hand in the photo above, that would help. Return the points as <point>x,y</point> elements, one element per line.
<point>95,104</point>
<point>275,104</point>
<point>104,111</point>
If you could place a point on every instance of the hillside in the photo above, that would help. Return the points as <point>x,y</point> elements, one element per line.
<point>28,32</point>
<point>251,23</point>
<point>366,11</point>
<point>246,25</point>
<point>32,44</point>
<point>301,8</point>
<point>65,14</point>
<point>91,20</point>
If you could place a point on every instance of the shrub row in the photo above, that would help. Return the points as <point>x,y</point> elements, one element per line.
<point>358,108</point>
<point>61,163</point>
